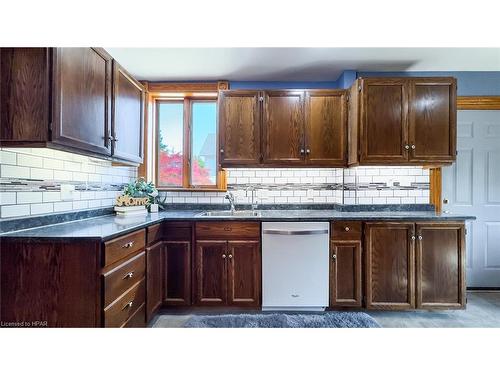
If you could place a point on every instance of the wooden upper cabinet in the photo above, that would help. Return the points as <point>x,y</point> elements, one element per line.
<point>244,273</point>
<point>440,265</point>
<point>128,116</point>
<point>283,127</point>
<point>390,265</point>
<point>432,119</point>
<point>403,121</point>
<point>82,99</point>
<point>326,127</point>
<point>239,128</point>
<point>384,117</point>
<point>24,95</point>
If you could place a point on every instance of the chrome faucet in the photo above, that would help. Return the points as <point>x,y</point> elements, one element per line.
<point>252,202</point>
<point>230,197</point>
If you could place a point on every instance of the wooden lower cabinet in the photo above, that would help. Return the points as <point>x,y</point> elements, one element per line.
<point>345,273</point>
<point>177,277</point>
<point>440,265</point>
<point>390,265</point>
<point>243,276</point>
<point>153,279</point>
<point>227,273</point>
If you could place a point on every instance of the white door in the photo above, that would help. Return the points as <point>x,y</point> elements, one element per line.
<point>472,186</point>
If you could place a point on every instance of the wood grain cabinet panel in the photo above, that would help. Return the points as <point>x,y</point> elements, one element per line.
<point>82,104</point>
<point>211,273</point>
<point>390,265</point>
<point>384,120</point>
<point>325,127</point>
<point>24,95</point>
<point>177,266</point>
<point>345,273</point>
<point>432,120</point>
<point>440,265</point>
<point>128,116</point>
<point>244,273</point>
<point>283,127</point>
<point>154,278</point>
<point>239,128</point>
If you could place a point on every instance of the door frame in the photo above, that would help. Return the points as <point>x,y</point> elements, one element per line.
<point>463,103</point>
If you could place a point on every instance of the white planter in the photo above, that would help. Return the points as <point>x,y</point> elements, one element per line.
<point>153,207</point>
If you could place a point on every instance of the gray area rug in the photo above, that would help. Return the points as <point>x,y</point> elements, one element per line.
<point>335,319</point>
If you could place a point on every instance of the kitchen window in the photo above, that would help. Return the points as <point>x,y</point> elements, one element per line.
<point>186,143</point>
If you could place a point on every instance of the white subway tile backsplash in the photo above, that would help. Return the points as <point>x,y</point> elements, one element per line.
<point>7,197</point>
<point>63,206</point>
<point>41,174</point>
<point>12,171</point>
<point>29,161</point>
<point>42,208</point>
<point>29,197</point>
<point>15,211</point>
<point>8,157</point>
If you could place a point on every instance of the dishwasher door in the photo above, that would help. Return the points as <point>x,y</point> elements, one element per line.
<point>295,265</point>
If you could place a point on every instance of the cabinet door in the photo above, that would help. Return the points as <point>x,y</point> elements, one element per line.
<point>283,127</point>
<point>244,273</point>
<point>432,122</point>
<point>82,99</point>
<point>345,273</point>
<point>326,136</point>
<point>390,266</point>
<point>239,128</point>
<point>384,121</point>
<point>177,265</point>
<point>153,279</point>
<point>128,116</point>
<point>211,273</point>
<point>440,265</point>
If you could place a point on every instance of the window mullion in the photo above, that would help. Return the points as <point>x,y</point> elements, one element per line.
<point>187,144</point>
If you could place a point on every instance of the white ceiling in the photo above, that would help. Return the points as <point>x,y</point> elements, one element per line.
<point>295,64</point>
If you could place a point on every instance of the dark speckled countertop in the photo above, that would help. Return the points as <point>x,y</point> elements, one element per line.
<point>109,226</point>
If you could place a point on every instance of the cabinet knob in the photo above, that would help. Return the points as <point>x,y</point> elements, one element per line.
<point>302,151</point>
<point>221,150</point>
<point>230,256</point>
<point>308,151</point>
<point>128,245</point>
<point>407,147</point>
<point>413,147</point>
<point>223,256</point>
<point>413,238</point>
<point>334,257</point>
<point>347,229</point>
<point>420,237</point>
<point>128,275</point>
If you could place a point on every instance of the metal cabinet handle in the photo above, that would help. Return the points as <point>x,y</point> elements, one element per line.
<point>413,147</point>
<point>347,229</point>
<point>128,245</point>
<point>228,229</point>
<point>413,238</point>
<point>420,237</point>
<point>128,305</point>
<point>223,256</point>
<point>295,232</point>
<point>128,275</point>
<point>230,256</point>
<point>407,147</point>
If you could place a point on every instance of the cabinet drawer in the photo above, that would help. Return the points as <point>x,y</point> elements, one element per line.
<point>154,233</point>
<point>138,320</point>
<point>121,278</point>
<point>346,230</point>
<point>117,314</point>
<point>120,247</point>
<point>227,229</point>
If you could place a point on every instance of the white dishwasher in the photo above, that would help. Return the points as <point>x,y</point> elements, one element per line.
<point>295,265</point>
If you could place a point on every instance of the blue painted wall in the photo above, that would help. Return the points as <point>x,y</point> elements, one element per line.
<point>469,83</point>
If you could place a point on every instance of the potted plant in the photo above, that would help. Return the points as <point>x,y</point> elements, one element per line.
<point>139,192</point>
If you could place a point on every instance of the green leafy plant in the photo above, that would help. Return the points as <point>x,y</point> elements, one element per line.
<point>140,189</point>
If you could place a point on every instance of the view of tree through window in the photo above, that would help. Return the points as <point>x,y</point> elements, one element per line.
<point>171,153</point>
